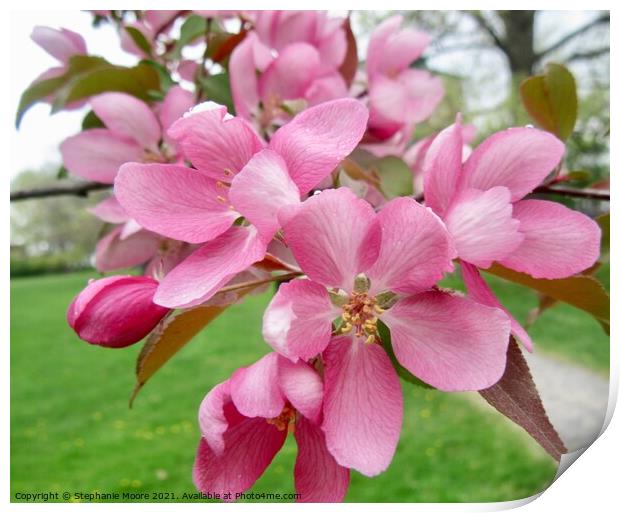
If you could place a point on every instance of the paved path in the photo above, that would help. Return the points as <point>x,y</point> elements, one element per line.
<point>575,398</point>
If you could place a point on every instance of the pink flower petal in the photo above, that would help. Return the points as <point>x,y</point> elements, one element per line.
<point>298,321</point>
<point>376,46</point>
<point>363,405</point>
<point>159,19</point>
<point>212,418</point>
<point>450,342</point>
<point>318,478</point>
<point>215,143</point>
<point>61,44</point>
<point>290,74</point>
<point>407,99</point>
<point>205,271</point>
<point>415,248</point>
<point>334,237</point>
<point>117,313</point>
<point>424,93</point>
<point>317,139</point>
<point>261,188</point>
<point>479,291</point>
<point>255,390</point>
<point>558,241</point>
<point>401,49</point>
<point>442,167</point>
<point>251,445</point>
<point>175,201</point>
<point>115,252</point>
<point>126,115</point>
<point>175,104</point>
<point>98,153</point>
<point>326,88</point>
<point>517,158</point>
<point>302,386</point>
<point>246,59</point>
<point>110,211</point>
<point>332,43</point>
<point>482,225</point>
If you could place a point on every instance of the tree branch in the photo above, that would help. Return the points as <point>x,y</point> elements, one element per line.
<point>81,190</point>
<point>482,21</point>
<point>588,54</point>
<point>571,35</point>
<point>560,190</point>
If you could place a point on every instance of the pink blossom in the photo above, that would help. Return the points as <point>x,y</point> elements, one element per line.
<point>364,267</point>
<point>132,133</point>
<point>244,422</point>
<point>290,56</point>
<point>399,96</point>
<point>415,155</point>
<point>116,311</point>
<point>482,205</point>
<point>235,175</point>
<point>62,44</point>
<point>151,25</point>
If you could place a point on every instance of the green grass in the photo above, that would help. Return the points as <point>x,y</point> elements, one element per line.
<point>71,429</point>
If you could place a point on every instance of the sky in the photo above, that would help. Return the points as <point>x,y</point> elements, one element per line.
<point>37,141</point>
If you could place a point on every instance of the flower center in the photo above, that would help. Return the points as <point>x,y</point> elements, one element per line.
<point>286,419</point>
<point>360,316</point>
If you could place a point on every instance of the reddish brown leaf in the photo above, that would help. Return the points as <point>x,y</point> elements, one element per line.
<point>516,397</point>
<point>581,291</point>
<point>171,335</point>
<point>348,68</point>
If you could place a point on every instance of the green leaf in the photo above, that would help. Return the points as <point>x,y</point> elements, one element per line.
<point>165,79</point>
<point>579,176</point>
<point>193,27</point>
<point>581,291</point>
<point>62,173</point>
<point>136,81</point>
<point>393,174</point>
<point>140,40</point>
<point>551,100</point>
<point>41,89</point>
<point>217,89</point>
<point>91,120</point>
<point>386,341</point>
<point>603,222</point>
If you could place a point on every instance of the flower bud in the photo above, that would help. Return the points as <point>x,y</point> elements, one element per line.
<point>116,311</point>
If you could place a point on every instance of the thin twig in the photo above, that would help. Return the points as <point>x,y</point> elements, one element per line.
<point>561,190</point>
<point>571,35</point>
<point>256,283</point>
<point>81,190</point>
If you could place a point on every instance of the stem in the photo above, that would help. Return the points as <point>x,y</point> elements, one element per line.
<point>256,283</point>
<point>560,190</point>
<point>597,194</point>
<point>81,189</point>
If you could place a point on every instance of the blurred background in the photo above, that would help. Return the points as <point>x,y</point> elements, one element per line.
<point>70,424</point>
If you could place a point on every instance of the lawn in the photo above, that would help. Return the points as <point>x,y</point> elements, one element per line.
<point>71,429</point>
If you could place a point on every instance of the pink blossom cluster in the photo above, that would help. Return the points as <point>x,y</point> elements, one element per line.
<point>204,199</point>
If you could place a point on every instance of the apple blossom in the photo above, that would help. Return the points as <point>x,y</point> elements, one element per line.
<point>244,422</point>
<point>116,311</point>
<point>365,267</point>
